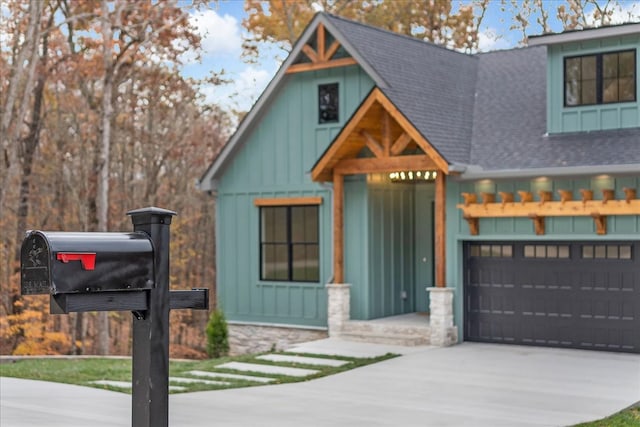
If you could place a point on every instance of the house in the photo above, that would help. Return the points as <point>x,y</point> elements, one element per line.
<point>379,175</point>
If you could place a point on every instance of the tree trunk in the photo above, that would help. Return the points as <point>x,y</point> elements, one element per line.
<point>102,187</point>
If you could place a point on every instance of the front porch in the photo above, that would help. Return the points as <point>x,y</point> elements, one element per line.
<point>412,329</point>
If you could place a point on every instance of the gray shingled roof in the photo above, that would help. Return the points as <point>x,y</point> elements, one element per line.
<point>509,120</point>
<point>419,83</point>
<point>486,112</point>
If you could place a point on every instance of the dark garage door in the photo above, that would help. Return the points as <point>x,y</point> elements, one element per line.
<point>558,294</point>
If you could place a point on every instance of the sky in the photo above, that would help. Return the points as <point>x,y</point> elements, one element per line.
<point>221,30</point>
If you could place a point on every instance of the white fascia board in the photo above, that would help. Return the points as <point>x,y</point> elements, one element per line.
<point>583,35</point>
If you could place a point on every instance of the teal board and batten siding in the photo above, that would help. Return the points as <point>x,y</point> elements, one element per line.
<point>391,249</point>
<point>624,227</point>
<point>589,117</point>
<point>385,226</point>
<point>274,161</point>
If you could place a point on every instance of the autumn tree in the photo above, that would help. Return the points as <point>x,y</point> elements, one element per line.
<point>438,21</point>
<point>58,75</point>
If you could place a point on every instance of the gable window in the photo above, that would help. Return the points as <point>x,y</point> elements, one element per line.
<point>600,79</point>
<point>328,103</point>
<point>289,247</point>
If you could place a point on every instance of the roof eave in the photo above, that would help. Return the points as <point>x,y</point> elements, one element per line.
<point>583,35</point>
<point>476,173</point>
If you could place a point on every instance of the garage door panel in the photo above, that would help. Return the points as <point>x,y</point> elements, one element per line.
<point>578,295</point>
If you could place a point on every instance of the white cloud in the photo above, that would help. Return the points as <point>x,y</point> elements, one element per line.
<point>488,40</point>
<point>626,12</point>
<point>220,35</point>
<point>241,92</point>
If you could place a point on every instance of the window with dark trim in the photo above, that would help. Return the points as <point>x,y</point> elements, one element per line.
<point>606,251</point>
<point>547,251</point>
<point>289,247</point>
<point>602,78</point>
<point>328,103</point>
<point>491,251</point>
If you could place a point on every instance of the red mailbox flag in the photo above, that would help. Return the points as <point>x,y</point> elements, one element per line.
<point>87,259</point>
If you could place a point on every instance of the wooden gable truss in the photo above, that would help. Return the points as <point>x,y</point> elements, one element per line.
<point>395,145</point>
<point>322,56</point>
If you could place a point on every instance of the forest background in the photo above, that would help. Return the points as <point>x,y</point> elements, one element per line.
<point>98,117</point>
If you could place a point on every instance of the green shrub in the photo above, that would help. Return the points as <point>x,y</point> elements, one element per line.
<point>217,335</point>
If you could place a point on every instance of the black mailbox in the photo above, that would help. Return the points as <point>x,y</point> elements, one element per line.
<point>69,263</point>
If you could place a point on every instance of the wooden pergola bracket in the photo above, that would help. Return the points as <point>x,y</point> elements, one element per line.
<point>600,222</point>
<point>538,224</point>
<point>545,207</point>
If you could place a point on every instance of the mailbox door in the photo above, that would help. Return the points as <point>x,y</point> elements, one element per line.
<point>35,265</point>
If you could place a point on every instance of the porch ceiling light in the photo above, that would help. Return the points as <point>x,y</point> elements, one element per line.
<point>413,176</point>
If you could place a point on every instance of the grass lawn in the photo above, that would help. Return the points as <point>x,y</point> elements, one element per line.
<point>627,418</point>
<point>82,371</point>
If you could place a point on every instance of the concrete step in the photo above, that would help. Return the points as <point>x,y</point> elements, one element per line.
<point>386,333</point>
<point>387,339</point>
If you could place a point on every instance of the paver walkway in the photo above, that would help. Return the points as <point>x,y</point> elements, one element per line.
<point>245,371</point>
<point>303,360</point>
<point>268,369</point>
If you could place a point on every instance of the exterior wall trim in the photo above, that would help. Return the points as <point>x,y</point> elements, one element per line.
<point>288,201</point>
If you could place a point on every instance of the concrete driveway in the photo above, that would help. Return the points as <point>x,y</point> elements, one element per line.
<point>465,385</point>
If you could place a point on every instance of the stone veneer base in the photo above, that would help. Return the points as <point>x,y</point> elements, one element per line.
<point>246,338</point>
<point>443,331</point>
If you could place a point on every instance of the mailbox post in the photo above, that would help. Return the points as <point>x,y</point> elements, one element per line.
<point>123,272</point>
<point>150,373</point>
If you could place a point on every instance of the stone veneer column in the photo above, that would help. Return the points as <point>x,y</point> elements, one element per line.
<point>443,332</point>
<point>338,307</point>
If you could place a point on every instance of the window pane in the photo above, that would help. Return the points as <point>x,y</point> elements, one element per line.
<point>274,224</point>
<point>627,64</point>
<point>588,68</point>
<point>552,251</point>
<point>563,251</point>
<point>529,251</point>
<point>612,251</point>
<point>627,89</point>
<point>328,103</point>
<point>601,251</point>
<point>275,263</point>
<point>540,251</point>
<point>572,69</point>
<point>610,65</point>
<point>475,250</point>
<point>610,90</point>
<point>496,251</point>
<point>485,250</point>
<point>572,81</point>
<point>588,93</point>
<point>311,224</point>
<point>587,251</point>
<point>305,263</point>
<point>507,251</point>
<point>625,252</point>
